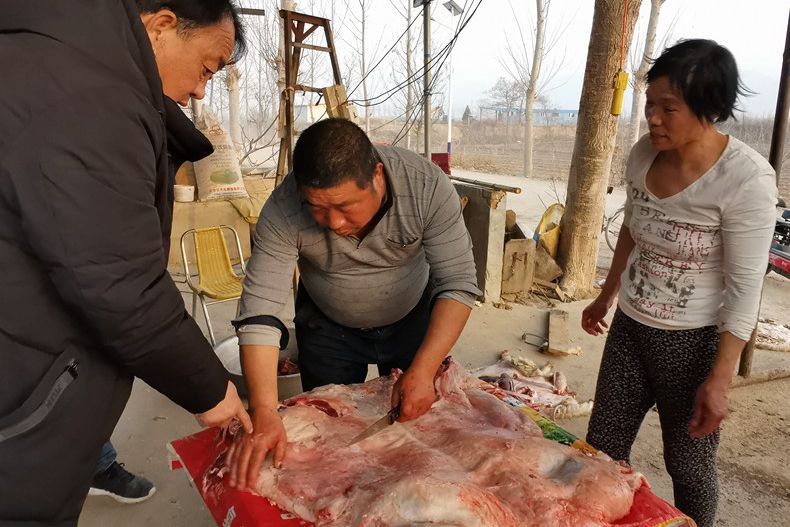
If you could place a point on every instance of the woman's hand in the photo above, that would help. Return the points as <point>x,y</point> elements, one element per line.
<point>593,316</point>
<point>710,408</point>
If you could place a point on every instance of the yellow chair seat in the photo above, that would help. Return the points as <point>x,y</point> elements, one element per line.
<point>222,290</point>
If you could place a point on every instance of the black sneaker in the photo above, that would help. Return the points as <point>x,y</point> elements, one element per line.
<point>121,485</point>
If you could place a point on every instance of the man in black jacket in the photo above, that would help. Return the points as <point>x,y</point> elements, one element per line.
<point>184,143</point>
<point>84,216</point>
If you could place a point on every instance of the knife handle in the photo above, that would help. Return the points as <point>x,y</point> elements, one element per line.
<point>394,413</point>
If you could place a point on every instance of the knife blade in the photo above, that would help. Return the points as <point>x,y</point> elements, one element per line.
<point>379,425</point>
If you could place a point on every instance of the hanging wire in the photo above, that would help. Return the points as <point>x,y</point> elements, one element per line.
<point>397,41</point>
<point>440,55</point>
<point>443,57</point>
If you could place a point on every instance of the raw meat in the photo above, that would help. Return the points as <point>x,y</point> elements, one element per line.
<point>472,460</point>
<point>287,367</point>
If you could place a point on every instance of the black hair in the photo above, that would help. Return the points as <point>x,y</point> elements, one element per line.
<point>331,152</point>
<point>201,13</point>
<point>706,75</point>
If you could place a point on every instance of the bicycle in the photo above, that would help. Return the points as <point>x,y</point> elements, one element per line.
<point>611,225</point>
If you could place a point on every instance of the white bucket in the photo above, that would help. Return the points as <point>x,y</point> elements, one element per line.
<point>229,355</point>
<point>184,193</point>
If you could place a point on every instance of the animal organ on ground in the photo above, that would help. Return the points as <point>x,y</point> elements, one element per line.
<point>544,389</point>
<point>472,460</point>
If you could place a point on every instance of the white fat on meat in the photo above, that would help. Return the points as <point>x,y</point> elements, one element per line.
<point>472,460</point>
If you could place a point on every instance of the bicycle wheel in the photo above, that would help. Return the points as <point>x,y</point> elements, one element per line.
<point>613,225</point>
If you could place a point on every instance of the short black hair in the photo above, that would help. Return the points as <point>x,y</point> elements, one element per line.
<point>201,13</point>
<point>331,152</point>
<point>706,75</point>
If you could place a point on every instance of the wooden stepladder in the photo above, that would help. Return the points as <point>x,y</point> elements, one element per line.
<point>297,27</point>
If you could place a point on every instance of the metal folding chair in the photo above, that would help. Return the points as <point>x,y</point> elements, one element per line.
<point>217,281</point>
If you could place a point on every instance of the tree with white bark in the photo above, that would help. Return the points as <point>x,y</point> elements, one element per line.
<point>525,67</point>
<point>639,76</point>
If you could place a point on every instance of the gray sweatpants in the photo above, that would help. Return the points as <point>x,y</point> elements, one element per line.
<point>642,366</point>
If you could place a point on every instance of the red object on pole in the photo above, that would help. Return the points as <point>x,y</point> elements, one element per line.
<point>443,161</point>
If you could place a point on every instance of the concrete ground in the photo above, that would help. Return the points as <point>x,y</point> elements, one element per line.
<point>753,458</point>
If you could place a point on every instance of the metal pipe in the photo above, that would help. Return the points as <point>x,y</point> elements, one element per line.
<point>449,102</point>
<point>782,106</point>
<point>454,10</point>
<point>426,77</point>
<point>492,186</point>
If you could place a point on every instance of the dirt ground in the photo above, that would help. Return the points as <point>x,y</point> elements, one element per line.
<point>754,457</point>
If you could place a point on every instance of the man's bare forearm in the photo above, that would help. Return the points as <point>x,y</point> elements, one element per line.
<point>259,365</point>
<point>448,319</point>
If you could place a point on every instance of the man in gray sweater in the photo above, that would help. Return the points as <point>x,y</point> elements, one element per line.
<point>387,277</point>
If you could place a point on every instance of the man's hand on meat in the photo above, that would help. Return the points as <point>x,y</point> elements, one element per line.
<point>415,392</point>
<point>247,453</point>
<point>228,409</point>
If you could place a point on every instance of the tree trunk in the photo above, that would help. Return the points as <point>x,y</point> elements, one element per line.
<point>246,95</point>
<point>197,109</point>
<point>260,93</point>
<point>596,130</point>
<point>529,139</point>
<point>232,77</point>
<point>532,88</point>
<point>640,81</point>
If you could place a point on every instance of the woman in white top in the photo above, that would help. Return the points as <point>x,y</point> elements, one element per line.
<point>687,272</point>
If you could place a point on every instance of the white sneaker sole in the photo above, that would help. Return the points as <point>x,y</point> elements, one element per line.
<point>120,499</point>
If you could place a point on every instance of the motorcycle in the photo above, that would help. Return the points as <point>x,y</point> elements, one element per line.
<point>779,254</point>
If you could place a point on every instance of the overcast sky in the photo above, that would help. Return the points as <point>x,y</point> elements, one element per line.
<point>753,30</point>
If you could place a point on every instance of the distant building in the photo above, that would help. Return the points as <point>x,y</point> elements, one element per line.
<point>540,116</point>
<point>467,117</point>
